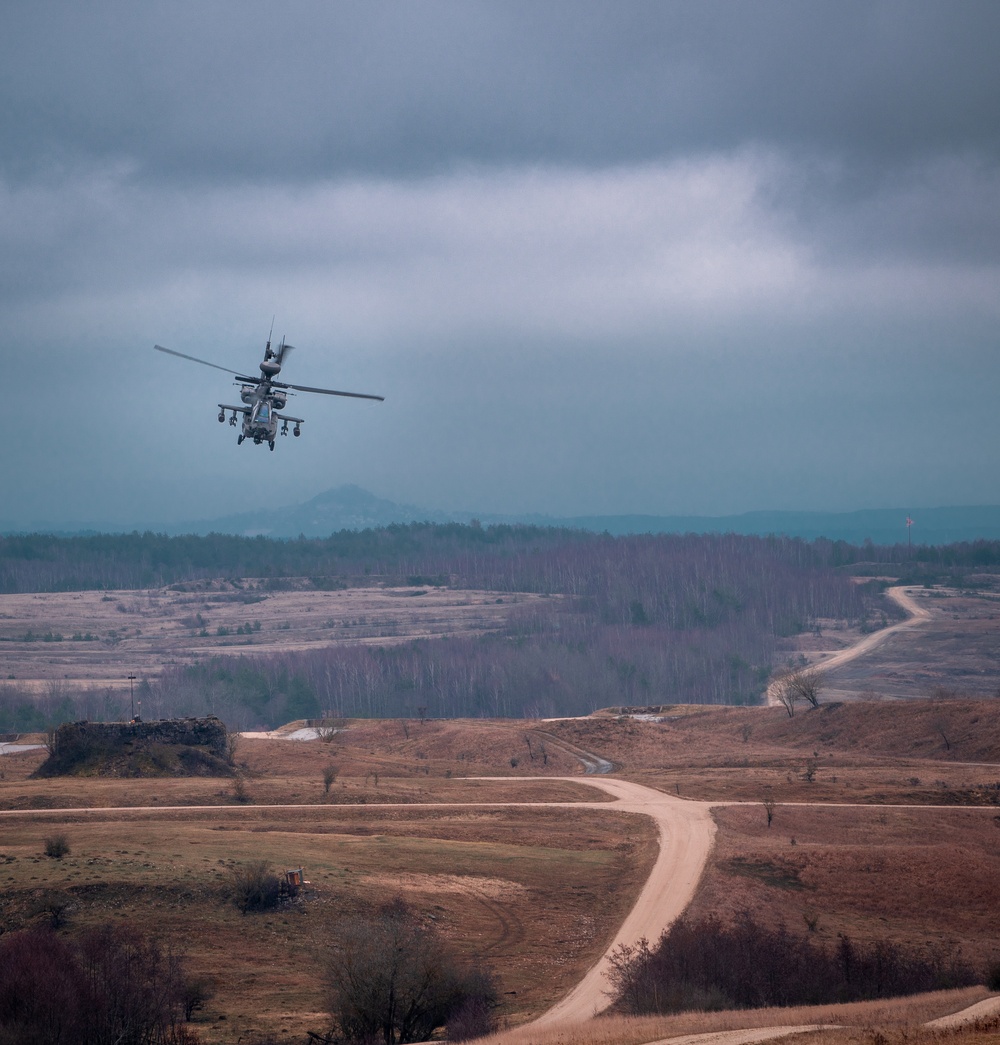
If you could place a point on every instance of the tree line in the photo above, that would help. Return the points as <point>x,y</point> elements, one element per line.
<point>646,619</point>
<point>45,562</point>
<point>506,557</point>
<point>637,620</point>
<point>632,620</point>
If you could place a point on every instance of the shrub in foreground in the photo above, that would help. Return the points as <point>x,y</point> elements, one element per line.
<point>706,964</point>
<point>391,979</point>
<point>254,886</point>
<point>57,846</point>
<point>993,979</point>
<point>111,984</point>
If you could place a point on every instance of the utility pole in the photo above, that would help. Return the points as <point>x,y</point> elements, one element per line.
<point>131,692</point>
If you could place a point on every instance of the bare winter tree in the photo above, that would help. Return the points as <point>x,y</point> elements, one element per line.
<point>790,687</point>
<point>807,685</point>
<point>109,984</point>
<point>785,693</point>
<point>232,744</point>
<point>391,979</point>
<point>941,727</point>
<point>769,808</point>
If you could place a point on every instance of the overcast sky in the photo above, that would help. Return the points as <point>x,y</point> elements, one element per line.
<point>657,257</point>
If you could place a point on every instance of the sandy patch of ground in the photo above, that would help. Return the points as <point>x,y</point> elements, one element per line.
<point>491,888</point>
<point>19,749</point>
<point>980,1011</point>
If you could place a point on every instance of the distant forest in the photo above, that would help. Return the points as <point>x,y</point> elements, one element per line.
<point>643,619</point>
<point>466,553</point>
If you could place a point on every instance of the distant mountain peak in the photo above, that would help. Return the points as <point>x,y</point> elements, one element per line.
<point>352,507</point>
<point>350,495</point>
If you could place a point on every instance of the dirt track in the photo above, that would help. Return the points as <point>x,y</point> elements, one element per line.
<point>918,615</point>
<point>686,834</point>
<point>738,1037</point>
<point>902,598</point>
<point>686,831</point>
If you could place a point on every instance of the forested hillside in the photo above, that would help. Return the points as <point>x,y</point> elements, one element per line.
<point>505,557</point>
<point>632,620</point>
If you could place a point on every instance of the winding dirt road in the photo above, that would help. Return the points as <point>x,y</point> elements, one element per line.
<point>686,831</point>
<point>902,597</point>
<point>686,834</point>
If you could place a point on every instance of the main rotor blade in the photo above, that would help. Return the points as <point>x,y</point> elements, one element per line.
<point>204,362</point>
<point>331,392</point>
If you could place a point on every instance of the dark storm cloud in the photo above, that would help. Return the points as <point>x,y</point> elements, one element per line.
<point>305,90</point>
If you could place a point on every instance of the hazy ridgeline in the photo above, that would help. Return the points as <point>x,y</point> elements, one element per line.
<point>633,620</point>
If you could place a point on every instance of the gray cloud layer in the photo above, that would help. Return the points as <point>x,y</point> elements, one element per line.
<point>299,91</point>
<point>601,257</point>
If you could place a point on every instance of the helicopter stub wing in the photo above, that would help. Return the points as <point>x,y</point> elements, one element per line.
<point>239,409</point>
<point>288,417</point>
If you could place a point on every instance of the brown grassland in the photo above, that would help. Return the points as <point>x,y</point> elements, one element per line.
<point>886,825</point>
<point>864,751</point>
<point>535,892</point>
<point>98,637</point>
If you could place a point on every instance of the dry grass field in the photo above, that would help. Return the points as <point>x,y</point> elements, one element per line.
<point>924,877</point>
<point>943,752</point>
<point>886,824</point>
<point>535,893</point>
<point>98,637</point>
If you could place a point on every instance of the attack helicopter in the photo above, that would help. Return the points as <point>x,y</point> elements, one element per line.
<point>264,397</point>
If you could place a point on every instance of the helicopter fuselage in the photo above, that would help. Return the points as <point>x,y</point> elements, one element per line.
<point>260,413</point>
<point>263,397</point>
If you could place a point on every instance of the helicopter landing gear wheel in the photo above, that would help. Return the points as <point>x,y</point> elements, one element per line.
<point>271,443</point>
<point>239,440</point>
